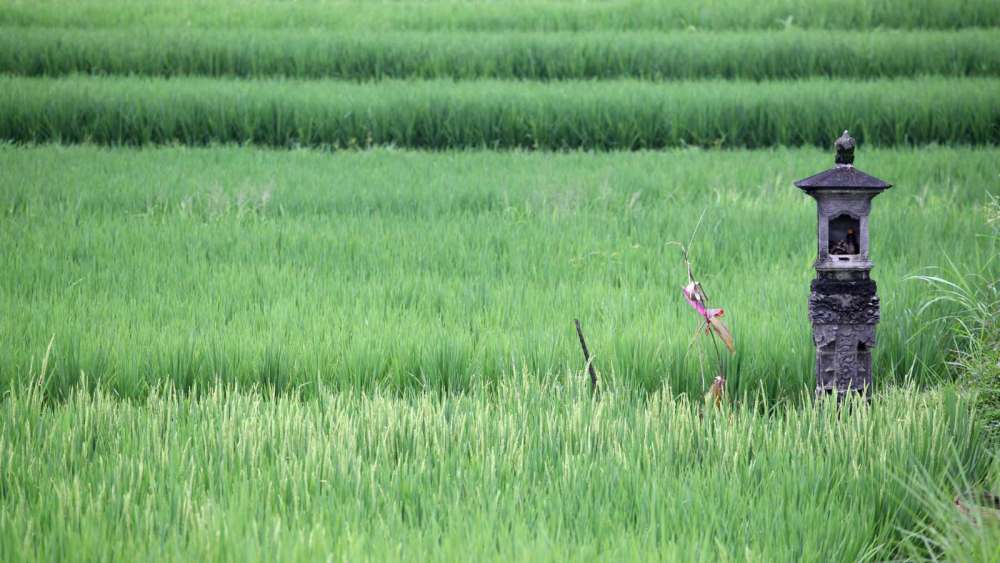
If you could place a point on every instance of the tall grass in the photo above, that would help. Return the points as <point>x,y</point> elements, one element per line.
<point>972,293</point>
<point>961,525</point>
<point>523,470</point>
<point>406,270</point>
<point>521,55</point>
<point>573,15</point>
<point>444,114</point>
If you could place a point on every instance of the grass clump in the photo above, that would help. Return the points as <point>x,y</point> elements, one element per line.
<point>973,300</point>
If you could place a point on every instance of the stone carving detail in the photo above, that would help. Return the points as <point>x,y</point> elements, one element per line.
<point>844,315</point>
<point>843,357</point>
<point>843,302</point>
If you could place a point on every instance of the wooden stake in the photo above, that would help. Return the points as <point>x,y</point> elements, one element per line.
<point>586,357</point>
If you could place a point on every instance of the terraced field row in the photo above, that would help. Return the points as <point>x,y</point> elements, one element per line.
<point>496,114</point>
<point>564,15</point>
<point>756,55</point>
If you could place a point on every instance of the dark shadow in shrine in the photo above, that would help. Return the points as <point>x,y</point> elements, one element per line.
<point>843,235</point>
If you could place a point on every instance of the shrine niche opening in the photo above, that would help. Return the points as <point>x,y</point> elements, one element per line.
<point>844,236</point>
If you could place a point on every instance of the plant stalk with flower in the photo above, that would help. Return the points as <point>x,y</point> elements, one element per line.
<point>712,322</point>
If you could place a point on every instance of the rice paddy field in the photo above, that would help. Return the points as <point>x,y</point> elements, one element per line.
<point>297,280</point>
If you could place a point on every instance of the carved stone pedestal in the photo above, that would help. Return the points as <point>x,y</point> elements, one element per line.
<point>843,314</point>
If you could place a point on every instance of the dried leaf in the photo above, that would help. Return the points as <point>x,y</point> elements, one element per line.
<point>715,323</point>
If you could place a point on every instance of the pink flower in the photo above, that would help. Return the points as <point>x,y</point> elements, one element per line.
<point>696,297</point>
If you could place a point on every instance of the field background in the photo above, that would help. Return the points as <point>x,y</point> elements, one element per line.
<point>296,280</point>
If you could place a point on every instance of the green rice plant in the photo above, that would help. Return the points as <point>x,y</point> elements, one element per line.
<point>962,521</point>
<point>407,270</point>
<point>527,468</point>
<point>509,55</point>
<point>542,15</point>
<point>492,114</point>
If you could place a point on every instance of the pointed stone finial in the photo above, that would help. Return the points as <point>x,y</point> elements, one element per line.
<point>845,149</point>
